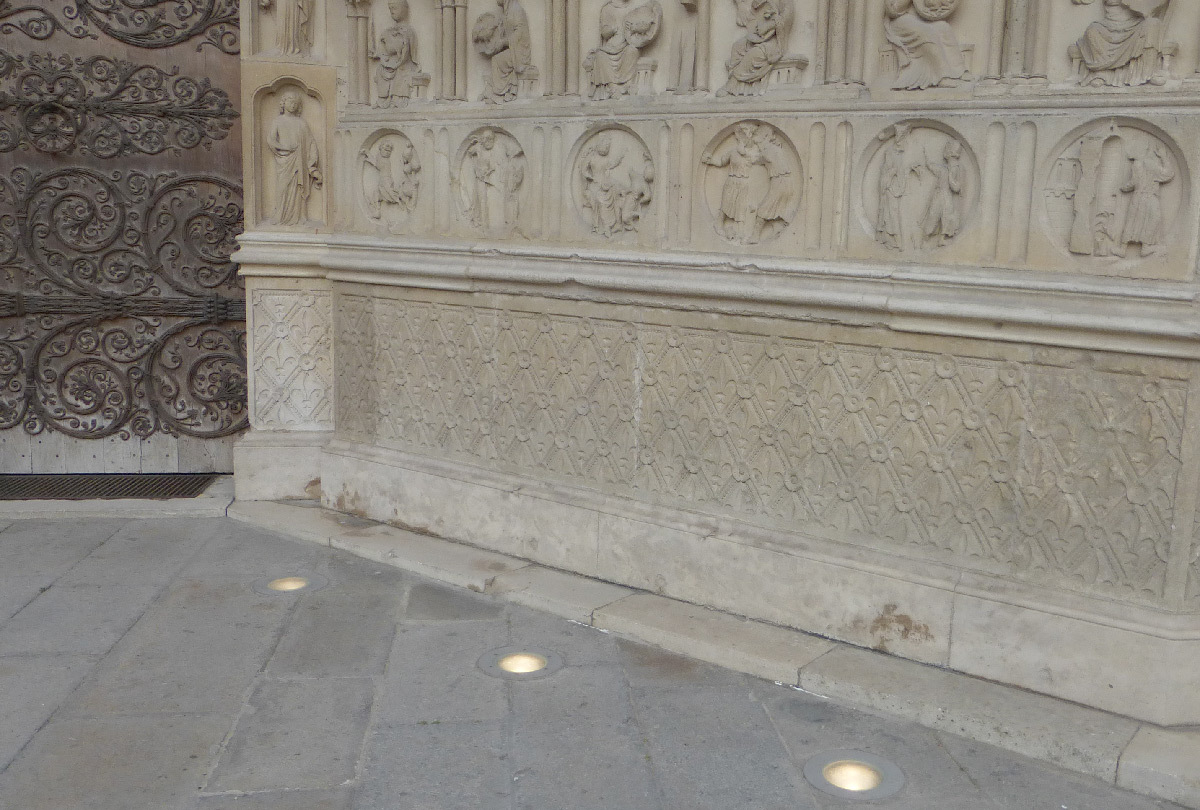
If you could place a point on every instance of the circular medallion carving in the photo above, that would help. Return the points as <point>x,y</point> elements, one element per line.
<point>1115,191</point>
<point>489,182</point>
<point>920,186</point>
<point>612,181</point>
<point>752,182</point>
<point>390,173</point>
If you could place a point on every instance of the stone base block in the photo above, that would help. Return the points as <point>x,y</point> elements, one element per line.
<point>278,466</point>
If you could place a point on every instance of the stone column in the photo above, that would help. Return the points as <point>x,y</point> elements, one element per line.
<point>841,41</point>
<point>460,50</point>
<point>573,58</point>
<point>359,13</point>
<point>557,41</point>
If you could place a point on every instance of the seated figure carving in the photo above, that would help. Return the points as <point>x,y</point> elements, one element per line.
<point>504,39</point>
<point>927,52</point>
<point>767,24</point>
<point>397,74</point>
<point>624,31</point>
<point>1125,48</point>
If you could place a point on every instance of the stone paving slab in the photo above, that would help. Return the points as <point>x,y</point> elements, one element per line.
<point>366,694</point>
<point>1162,762</point>
<point>568,595</point>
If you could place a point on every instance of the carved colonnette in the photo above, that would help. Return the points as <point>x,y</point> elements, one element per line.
<point>824,313</point>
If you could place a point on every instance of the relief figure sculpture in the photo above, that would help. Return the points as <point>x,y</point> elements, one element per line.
<point>894,176</point>
<point>397,73</point>
<point>943,217</point>
<point>391,180</point>
<point>297,162</point>
<point>927,52</point>
<point>751,211</point>
<point>922,188</point>
<point>624,31</point>
<point>614,183</point>
<point>490,180</point>
<point>293,25</point>
<point>504,38</point>
<point>754,55</point>
<point>1148,173</point>
<point>1126,47</point>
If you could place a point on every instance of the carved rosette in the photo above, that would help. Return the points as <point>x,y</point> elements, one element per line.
<point>612,182</point>
<point>753,182</point>
<point>1115,191</point>
<point>920,187</point>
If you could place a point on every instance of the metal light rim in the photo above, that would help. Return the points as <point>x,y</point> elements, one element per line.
<point>891,778</point>
<point>490,662</point>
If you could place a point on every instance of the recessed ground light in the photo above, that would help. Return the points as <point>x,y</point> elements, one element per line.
<point>854,775</point>
<point>520,663</point>
<point>290,584</point>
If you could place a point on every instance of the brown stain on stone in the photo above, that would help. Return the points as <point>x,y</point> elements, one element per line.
<point>890,625</point>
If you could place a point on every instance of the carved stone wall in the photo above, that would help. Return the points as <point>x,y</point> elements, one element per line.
<point>807,310</point>
<point>121,314</point>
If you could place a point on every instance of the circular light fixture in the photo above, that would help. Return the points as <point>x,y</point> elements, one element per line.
<point>288,583</point>
<point>297,583</point>
<point>520,663</point>
<point>854,775</point>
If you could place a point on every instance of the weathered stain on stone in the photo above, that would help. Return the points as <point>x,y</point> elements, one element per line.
<point>892,625</point>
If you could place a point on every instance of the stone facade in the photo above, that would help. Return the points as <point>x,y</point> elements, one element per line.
<point>871,319</point>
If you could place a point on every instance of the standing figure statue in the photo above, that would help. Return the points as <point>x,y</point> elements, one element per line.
<point>894,177</point>
<point>297,162</point>
<point>943,216</point>
<point>490,180</point>
<point>1144,219</point>
<point>395,183</point>
<point>927,52</point>
<point>776,208</point>
<point>767,24</point>
<point>737,217</point>
<point>1125,48</point>
<point>624,31</point>
<point>504,38</point>
<point>397,58</point>
<point>293,25</point>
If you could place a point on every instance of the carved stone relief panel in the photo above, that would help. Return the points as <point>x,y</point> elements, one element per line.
<point>390,171</point>
<point>489,183</point>
<point>292,158</point>
<point>1018,468</point>
<point>1129,45</point>
<point>293,365</point>
<point>617,66</point>
<point>925,48</point>
<point>920,187</point>
<point>503,37</point>
<point>612,182</point>
<point>753,182</point>
<point>759,57</point>
<point>1115,191</point>
<point>397,76</point>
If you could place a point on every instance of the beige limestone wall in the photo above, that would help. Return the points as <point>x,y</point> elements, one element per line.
<point>872,319</point>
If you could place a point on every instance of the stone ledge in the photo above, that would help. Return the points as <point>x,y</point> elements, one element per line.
<point>1136,756</point>
<point>213,502</point>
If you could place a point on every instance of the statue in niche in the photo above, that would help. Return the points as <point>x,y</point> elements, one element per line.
<point>927,52</point>
<point>759,192</point>
<point>490,180</point>
<point>624,31</point>
<point>767,24</point>
<point>1126,48</point>
<point>504,38</point>
<point>921,187</point>
<point>683,78</point>
<point>1108,193</point>
<point>397,71</point>
<point>297,162</point>
<point>391,180</point>
<point>615,181</point>
<point>293,25</point>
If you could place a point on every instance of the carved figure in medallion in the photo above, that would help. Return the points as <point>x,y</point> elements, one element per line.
<point>490,178</point>
<point>1115,186</point>
<point>1126,47</point>
<point>758,192</point>
<point>391,180</point>
<point>504,38</point>
<point>927,52</point>
<point>921,186</point>
<point>397,71</point>
<point>614,182</point>
<point>293,25</point>
<point>767,24</point>
<point>625,30</point>
<point>297,162</point>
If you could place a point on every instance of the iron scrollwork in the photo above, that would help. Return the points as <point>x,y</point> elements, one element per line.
<point>141,23</point>
<point>106,107</point>
<point>35,22</point>
<point>119,307</point>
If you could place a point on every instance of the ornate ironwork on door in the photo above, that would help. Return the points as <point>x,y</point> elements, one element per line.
<point>120,199</point>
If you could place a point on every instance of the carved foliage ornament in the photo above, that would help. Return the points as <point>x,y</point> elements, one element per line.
<point>118,304</point>
<point>141,23</point>
<point>106,107</point>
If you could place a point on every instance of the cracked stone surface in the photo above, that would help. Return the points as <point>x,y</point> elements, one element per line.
<point>139,669</point>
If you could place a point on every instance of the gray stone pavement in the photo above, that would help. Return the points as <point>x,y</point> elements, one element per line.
<point>140,668</point>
